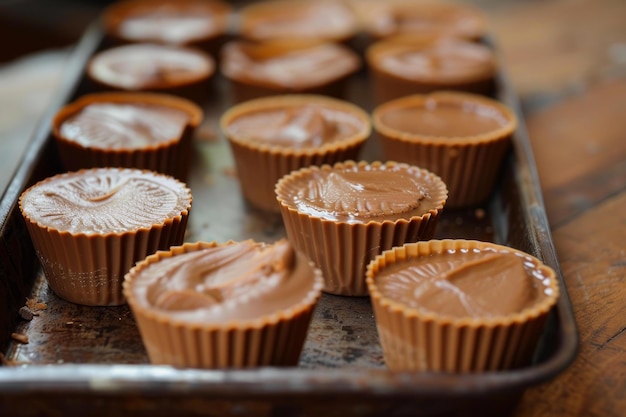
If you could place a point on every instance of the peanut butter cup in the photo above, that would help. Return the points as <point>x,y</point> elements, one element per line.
<point>178,70</point>
<point>417,65</point>
<point>459,305</point>
<point>201,23</point>
<point>461,137</point>
<point>272,136</point>
<point>224,305</point>
<point>344,215</point>
<point>89,227</point>
<point>133,130</point>
<point>322,20</point>
<point>280,67</point>
<point>441,19</point>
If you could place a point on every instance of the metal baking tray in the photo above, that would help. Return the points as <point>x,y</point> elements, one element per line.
<point>80,359</point>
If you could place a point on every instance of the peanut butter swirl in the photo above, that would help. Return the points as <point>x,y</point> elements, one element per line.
<point>465,283</point>
<point>288,67</point>
<point>170,24</point>
<point>237,281</point>
<point>367,192</point>
<point>305,126</point>
<point>145,65</point>
<point>105,200</point>
<point>124,125</point>
<point>440,118</point>
<point>442,62</point>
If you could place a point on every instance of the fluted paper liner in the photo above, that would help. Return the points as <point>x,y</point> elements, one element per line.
<point>89,269</point>
<point>342,250</point>
<point>415,340</point>
<point>272,340</point>
<point>172,157</point>
<point>468,165</point>
<point>260,166</point>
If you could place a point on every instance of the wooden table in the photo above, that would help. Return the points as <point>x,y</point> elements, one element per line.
<point>567,60</point>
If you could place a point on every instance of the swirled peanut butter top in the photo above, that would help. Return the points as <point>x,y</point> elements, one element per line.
<point>316,19</point>
<point>143,66</point>
<point>105,200</point>
<point>443,118</point>
<point>124,125</point>
<point>238,281</point>
<point>430,18</point>
<point>441,62</point>
<point>469,283</point>
<point>364,193</point>
<point>292,68</point>
<point>298,127</point>
<point>171,23</point>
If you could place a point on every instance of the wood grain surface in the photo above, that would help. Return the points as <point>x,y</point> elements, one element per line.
<point>567,60</point>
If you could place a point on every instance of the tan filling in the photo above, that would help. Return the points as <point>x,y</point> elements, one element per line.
<point>304,126</point>
<point>472,284</point>
<point>124,125</point>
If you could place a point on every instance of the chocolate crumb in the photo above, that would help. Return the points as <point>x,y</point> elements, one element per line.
<point>26,313</point>
<point>21,338</point>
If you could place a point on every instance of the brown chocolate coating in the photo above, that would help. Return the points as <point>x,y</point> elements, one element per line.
<point>167,21</point>
<point>475,283</point>
<point>145,66</point>
<point>239,281</point>
<point>391,18</point>
<point>295,126</point>
<point>286,66</point>
<point>105,200</point>
<point>445,119</point>
<point>305,19</point>
<point>363,193</point>
<point>108,125</point>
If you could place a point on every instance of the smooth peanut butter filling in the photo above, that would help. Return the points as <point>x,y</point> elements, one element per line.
<point>297,127</point>
<point>444,119</point>
<point>141,66</point>
<point>468,283</point>
<point>307,19</point>
<point>240,281</point>
<point>446,20</point>
<point>443,62</point>
<point>361,195</point>
<point>288,67</point>
<point>124,125</point>
<point>106,200</point>
<point>170,23</point>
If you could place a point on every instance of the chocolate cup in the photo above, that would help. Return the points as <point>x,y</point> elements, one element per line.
<point>342,250</point>
<point>197,87</point>
<point>415,340</point>
<point>388,85</point>
<point>89,269</point>
<point>253,15</point>
<point>171,158</point>
<point>246,85</point>
<point>116,13</point>
<point>469,165</point>
<point>273,340</point>
<point>260,166</point>
<point>384,19</point>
